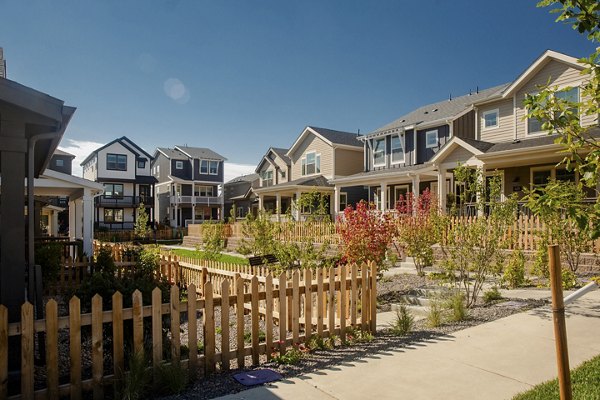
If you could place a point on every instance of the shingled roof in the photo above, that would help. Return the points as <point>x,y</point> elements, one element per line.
<point>338,137</point>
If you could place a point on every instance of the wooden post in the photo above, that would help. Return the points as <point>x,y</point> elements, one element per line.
<point>225,325</point>
<point>560,329</point>
<point>269,315</point>
<point>193,332</point>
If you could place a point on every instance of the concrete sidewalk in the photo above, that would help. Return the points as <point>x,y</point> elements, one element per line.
<point>491,361</point>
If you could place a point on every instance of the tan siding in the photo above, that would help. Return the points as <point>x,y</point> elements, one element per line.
<point>459,154</point>
<point>348,162</point>
<point>312,143</point>
<point>282,168</point>
<point>556,73</point>
<point>506,122</point>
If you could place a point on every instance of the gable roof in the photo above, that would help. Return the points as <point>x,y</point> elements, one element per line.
<point>59,152</point>
<point>537,65</point>
<point>200,153</point>
<point>476,147</point>
<point>243,178</point>
<point>440,111</point>
<point>331,137</point>
<point>279,152</point>
<point>125,142</point>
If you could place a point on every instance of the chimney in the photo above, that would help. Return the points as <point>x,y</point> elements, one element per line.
<point>2,64</point>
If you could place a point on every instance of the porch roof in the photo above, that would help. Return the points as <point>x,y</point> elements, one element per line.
<point>377,175</point>
<point>318,181</point>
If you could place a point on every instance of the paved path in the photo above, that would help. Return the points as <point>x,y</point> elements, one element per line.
<point>491,361</point>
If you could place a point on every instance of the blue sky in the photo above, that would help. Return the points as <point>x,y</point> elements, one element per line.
<point>240,76</point>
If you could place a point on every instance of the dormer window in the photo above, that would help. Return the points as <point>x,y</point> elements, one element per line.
<point>311,164</point>
<point>178,164</point>
<point>431,139</point>
<point>397,149</point>
<point>379,152</point>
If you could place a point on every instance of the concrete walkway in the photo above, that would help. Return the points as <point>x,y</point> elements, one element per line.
<point>491,361</point>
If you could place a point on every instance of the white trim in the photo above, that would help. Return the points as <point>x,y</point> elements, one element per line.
<point>537,65</point>
<point>178,163</point>
<point>451,145</point>
<point>485,114</point>
<point>499,173</point>
<point>402,186</point>
<point>558,89</point>
<point>342,194</point>
<point>317,156</point>
<point>437,139</point>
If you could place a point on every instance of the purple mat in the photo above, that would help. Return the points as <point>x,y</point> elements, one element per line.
<point>257,377</point>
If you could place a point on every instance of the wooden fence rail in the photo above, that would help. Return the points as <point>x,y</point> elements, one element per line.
<point>320,302</point>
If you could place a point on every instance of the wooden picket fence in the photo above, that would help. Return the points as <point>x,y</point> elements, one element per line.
<point>320,302</point>
<point>129,235</point>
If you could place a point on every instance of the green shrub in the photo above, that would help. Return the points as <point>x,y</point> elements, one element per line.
<point>514,273</point>
<point>357,335</point>
<point>404,322</point>
<point>170,378</point>
<point>292,356</point>
<point>456,304</point>
<point>248,336</point>
<point>491,295</point>
<point>569,279</point>
<point>135,382</point>
<point>49,256</point>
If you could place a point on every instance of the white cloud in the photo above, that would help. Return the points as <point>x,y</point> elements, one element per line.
<point>80,149</point>
<point>176,90</point>
<point>233,170</point>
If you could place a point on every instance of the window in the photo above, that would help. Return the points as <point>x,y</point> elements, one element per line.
<point>114,190</point>
<point>311,164</point>
<point>431,139</point>
<point>343,201</point>
<point>267,178</point>
<point>178,164</point>
<point>379,152</point>
<point>116,162</point>
<point>60,163</point>
<point>397,149</point>
<point>141,164</point>
<point>113,215</point>
<point>209,167</point>
<point>565,175</point>
<point>490,119</point>
<point>213,168</point>
<point>205,191</point>
<point>283,174</point>
<point>570,95</point>
<point>539,178</point>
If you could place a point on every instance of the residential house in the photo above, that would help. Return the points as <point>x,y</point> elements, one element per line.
<point>54,213</point>
<point>123,168</point>
<point>317,156</point>
<point>239,197</point>
<point>190,180</point>
<point>486,128</point>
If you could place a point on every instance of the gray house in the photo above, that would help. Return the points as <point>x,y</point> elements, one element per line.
<point>190,180</point>
<point>239,196</point>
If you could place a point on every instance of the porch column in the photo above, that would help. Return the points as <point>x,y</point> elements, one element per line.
<point>298,210</point>
<point>416,181</point>
<point>278,206</point>
<point>194,210</point>
<point>441,178</point>
<point>480,201</point>
<point>261,202</point>
<point>336,200</point>
<point>383,196</point>
<point>72,219</point>
<point>87,221</point>
<point>54,223</point>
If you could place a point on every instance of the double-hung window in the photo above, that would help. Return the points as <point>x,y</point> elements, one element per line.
<point>490,119</point>
<point>397,149</point>
<point>431,139</point>
<point>208,167</point>
<point>113,190</point>
<point>205,191</point>
<point>571,95</point>
<point>113,215</point>
<point>267,178</point>
<point>379,152</point>
<point>311,164</point>
<point>116,162</point>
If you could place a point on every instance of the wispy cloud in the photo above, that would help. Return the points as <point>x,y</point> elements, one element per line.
<point>80,149</point>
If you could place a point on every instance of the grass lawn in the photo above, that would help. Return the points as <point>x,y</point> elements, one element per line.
<point>222,257</point>
<point>585,382</point>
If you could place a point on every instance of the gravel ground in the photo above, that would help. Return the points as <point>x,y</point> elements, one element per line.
<point>221,384</point>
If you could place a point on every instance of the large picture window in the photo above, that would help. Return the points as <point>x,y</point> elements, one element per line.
<point>116,162</point>
<point>208,167</point>
<point>114,190</point>
<point>397,149</point>
<point>113,215</point>
<point>311,164</point>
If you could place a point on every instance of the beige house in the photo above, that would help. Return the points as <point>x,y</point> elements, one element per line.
<point>487,129</point>
<point>317,156</point>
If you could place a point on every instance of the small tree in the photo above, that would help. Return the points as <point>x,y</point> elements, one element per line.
<point>473,249</point>
<point>366,234</point>
<point>141,228</point>
<point>316,203</point>
<point>213,240</point>
<point>416,229</point>
<point>258,234</point>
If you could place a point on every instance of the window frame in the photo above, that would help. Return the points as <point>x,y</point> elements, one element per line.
<point>112,195</point>
<point>495,111</point>
<point>375,151</point>
<point>264,180</point>
<point>402,141</point>
<point>437,139</point>
<point>116,163</point>
<point>113,212</point>
<point>345,202</point>
<point>59,162</point>
<point>210,167</point>
<point>178,164</point>
<point>142,163</point>
<point>316,162</point>
<point>560,88</point>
